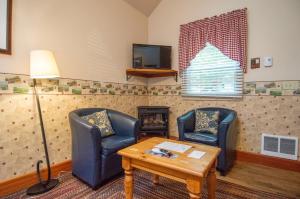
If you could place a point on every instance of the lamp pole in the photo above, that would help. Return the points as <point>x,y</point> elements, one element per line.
<point>42,186</point>
<point>43,136</point>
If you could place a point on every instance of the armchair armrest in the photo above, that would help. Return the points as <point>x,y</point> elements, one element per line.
<point>186,123</point>
<point>227,136</point>
<point>124,124</point>
<point>86,149</point>
<point>226,126</point>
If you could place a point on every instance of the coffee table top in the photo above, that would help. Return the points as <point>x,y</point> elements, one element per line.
<point>183,163</point>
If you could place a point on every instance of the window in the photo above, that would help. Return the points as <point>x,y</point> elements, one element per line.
<point>212,74</point>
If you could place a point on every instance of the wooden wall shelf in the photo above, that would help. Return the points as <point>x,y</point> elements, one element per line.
<point>150,73</point>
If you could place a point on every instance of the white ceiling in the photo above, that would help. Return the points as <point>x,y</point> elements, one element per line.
<point>144,6</point>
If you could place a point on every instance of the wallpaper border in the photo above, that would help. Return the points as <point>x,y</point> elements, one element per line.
<point>22,84</point>
<point>255,88</point>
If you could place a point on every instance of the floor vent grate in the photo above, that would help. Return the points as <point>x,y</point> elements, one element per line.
<point>280,146</point>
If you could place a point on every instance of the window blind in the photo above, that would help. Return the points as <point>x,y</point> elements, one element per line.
<point>212,74</point>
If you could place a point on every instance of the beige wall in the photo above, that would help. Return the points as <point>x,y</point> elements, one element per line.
<point>274,29</point>
<point>3,24</point>
<point>91,39</point>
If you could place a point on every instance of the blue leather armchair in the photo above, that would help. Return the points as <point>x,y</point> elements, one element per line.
<point>226,138</point>
<point>95,159</point>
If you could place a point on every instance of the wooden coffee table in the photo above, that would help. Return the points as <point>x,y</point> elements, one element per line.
<point>184,169</point>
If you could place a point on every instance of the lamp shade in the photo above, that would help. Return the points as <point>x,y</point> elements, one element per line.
<point>43,65</point>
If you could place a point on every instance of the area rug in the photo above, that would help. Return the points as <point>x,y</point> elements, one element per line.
<point>70,187</point>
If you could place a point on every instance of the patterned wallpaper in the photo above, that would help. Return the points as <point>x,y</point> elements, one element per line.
<point>267,107</point>
<point>20,136</point>
<point>256,115</point>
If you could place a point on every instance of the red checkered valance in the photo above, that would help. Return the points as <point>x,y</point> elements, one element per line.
<point>228,32</point>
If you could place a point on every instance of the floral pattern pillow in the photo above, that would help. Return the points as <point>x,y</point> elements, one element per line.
<point>101,120</point>
<point>207,121</point>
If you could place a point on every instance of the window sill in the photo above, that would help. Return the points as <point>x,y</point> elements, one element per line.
<point>212,98</point>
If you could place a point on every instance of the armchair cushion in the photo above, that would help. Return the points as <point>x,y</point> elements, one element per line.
<point>114,143</point>
<point>101,120</point>
<point>203,137</point>
<point>207,121</point>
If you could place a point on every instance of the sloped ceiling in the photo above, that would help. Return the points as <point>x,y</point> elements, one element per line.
<point>144,6</point>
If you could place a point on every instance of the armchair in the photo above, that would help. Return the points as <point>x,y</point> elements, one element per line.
<point>95,159</point>
<point>225,139</point>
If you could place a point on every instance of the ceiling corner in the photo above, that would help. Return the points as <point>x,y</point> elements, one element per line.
<point>144,6</point>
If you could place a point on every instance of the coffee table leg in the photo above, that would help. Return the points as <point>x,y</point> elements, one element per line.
<point>155,179</point>
<point>194,186</point>
<point>128,182</point>
<point>211,182</point>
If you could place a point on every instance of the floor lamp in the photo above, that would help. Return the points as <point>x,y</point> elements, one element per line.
<point>42,66</point>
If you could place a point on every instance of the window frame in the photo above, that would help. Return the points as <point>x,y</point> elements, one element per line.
<point>202,62</point>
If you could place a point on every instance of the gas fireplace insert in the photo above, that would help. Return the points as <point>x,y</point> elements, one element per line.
<point>154,119</point>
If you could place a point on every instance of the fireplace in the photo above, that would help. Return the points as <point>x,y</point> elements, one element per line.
<point>154,119</point>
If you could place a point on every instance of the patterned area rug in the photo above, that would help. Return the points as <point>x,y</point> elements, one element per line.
<point>70,187</point>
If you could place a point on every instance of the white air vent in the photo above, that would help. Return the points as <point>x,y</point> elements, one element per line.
<point>279,146</point>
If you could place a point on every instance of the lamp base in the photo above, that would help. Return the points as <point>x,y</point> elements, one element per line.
<point>40,188</point>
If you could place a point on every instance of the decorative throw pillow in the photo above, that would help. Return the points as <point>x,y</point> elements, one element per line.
<point>101,120</point>
<point>207,121</point>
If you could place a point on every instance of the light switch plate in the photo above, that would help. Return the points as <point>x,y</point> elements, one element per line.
<point>255,62</point>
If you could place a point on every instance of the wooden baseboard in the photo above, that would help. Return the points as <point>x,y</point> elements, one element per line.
<point>25,181</point>
<point>292,165</point>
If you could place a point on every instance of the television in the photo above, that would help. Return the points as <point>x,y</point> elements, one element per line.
<point>151,56</point>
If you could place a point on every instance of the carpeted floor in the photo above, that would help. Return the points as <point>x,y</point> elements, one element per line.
<point>70,187</point>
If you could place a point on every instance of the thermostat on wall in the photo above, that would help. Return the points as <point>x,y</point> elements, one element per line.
<point>268,61</point>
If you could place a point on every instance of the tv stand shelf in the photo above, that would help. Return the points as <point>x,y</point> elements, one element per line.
<point>150,73</point>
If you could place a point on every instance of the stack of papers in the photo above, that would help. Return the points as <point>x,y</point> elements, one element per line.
<point>196,154</point>
<point>180,148</point>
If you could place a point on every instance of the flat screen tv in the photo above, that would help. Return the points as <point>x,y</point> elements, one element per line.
<point>151,56</point>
